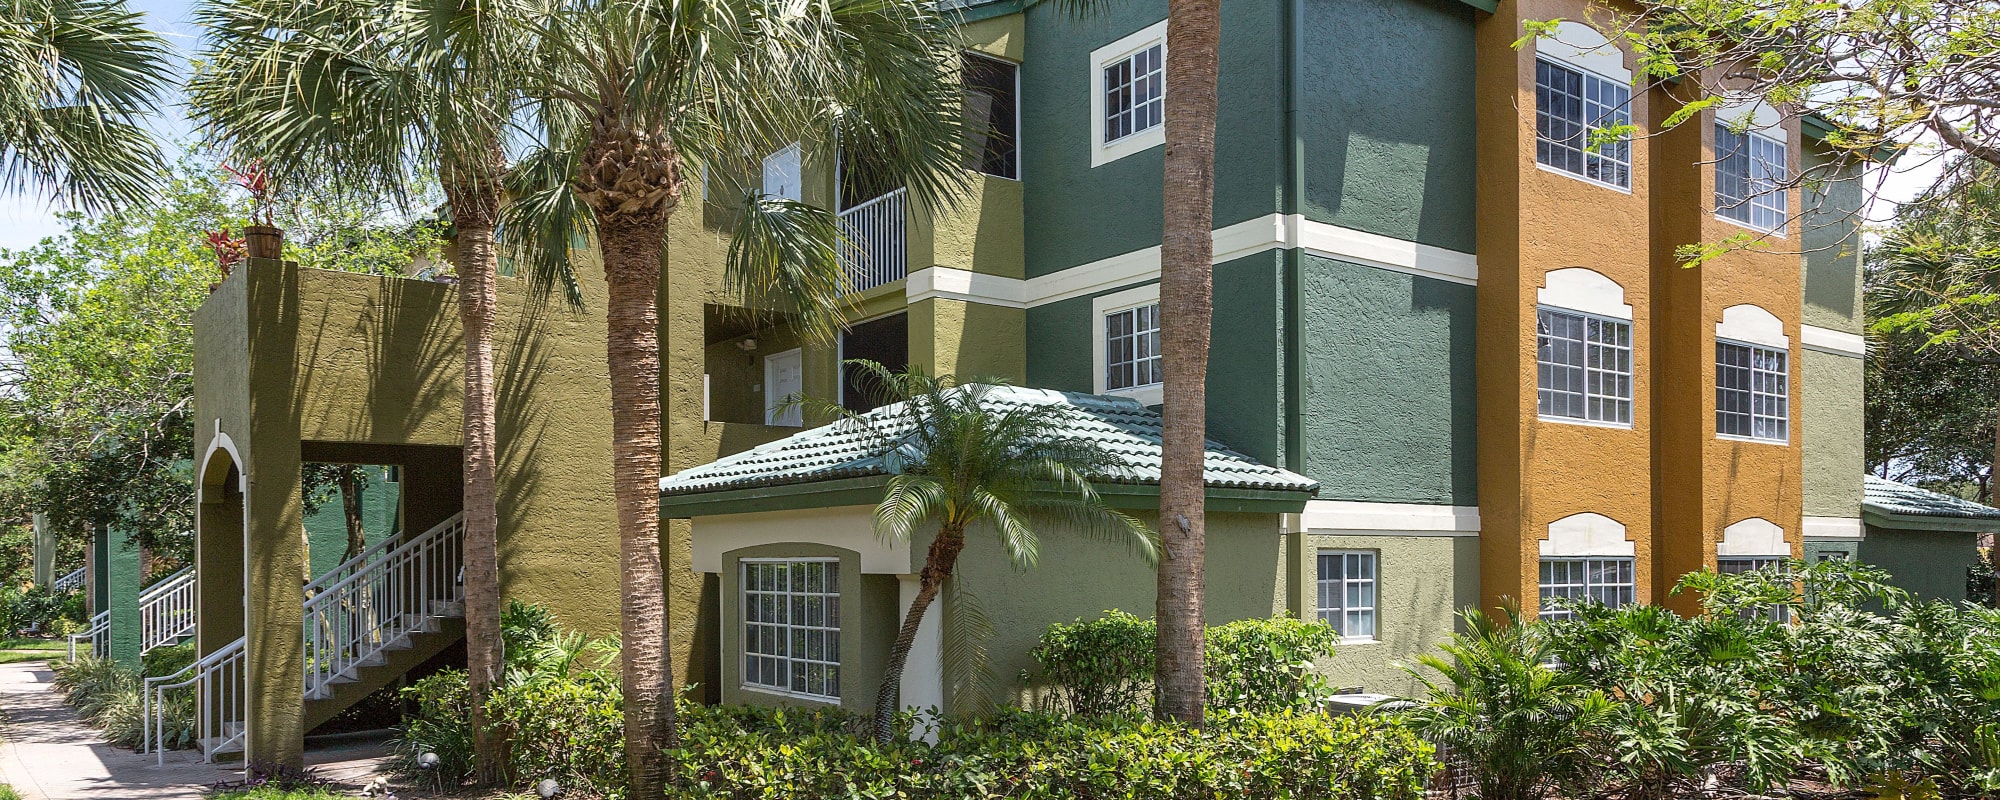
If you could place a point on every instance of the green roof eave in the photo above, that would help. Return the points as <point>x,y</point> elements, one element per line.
<point>867,491</point>
<point>1926,522</point>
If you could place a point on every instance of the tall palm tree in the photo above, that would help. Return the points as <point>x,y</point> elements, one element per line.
<point>960,459</point>
<point>1187,307</point>
<point>637,93</point>
<point>1187,311</point>
<point>78,77</point>
<point>376,96</point>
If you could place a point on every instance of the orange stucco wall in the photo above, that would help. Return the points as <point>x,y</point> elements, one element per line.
<point>1533,221</point>
<point>1667,478</point>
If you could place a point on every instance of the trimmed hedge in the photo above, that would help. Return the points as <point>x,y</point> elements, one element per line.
<point>795,755</point>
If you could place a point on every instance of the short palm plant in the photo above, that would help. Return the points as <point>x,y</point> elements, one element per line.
<point>1498,701</point>
<point>961,460</point>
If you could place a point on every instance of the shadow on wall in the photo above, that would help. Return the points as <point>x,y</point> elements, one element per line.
<point>395,345</point>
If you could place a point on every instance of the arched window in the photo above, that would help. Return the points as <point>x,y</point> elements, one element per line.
<point>1582,87</point>
<point>1752,376</point>
<point>1587,557</point>
<point>1583,349</point>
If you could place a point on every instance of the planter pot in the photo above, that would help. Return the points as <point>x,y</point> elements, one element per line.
<point>263,241</point>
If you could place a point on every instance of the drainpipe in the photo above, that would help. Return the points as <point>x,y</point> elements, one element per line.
<point>1292,202</point>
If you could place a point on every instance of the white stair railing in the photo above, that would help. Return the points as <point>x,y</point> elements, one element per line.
<point>70,582</point>
<point>167,610</point>
<point>98,635</point>
<point>874,244</point>
<point>216,684</point>
<point>379,604</point>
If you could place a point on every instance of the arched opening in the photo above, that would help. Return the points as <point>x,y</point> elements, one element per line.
<point>219,548</point>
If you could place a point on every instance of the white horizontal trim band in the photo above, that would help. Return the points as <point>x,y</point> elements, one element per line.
<point>1350,517</point>
<point>1828,340</point>
<point>1832,528</point>
<point>1250,237</point>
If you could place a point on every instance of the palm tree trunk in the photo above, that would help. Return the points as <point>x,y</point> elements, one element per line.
<point>1992,482</point>
<point>938,565</point>
<point>632,271</point>
<point>1186,307</point>
<point>474,206</point>
<point>350,504</point>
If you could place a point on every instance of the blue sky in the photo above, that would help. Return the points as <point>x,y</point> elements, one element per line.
<point>25,219</point>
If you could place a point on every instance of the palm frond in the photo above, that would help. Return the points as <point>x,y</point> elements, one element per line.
<point>968,668</point>
<point>545,219</point>
<point>786,255</point>
<point>82,75</point>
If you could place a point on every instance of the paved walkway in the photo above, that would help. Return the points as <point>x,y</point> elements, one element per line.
<point>47,754</point>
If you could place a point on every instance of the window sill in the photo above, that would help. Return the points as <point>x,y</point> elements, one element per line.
<point>1775,233</point>
<point>1583,178</point>
<point>789,695</point>
<point>1617,426</point>
<point>1346,641</point>
<point>1754,440</point>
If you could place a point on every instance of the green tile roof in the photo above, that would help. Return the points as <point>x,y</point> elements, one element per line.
<point>846,450</point>
<point>1898,505</point>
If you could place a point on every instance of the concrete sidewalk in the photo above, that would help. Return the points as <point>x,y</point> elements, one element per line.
<point>46,753</point>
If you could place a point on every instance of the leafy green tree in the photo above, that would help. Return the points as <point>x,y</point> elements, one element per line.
<point>962,461</point>
<point>80,76</point>
<point>634,96</point>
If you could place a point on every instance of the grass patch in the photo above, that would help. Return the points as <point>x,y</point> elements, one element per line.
<point>18,656</point>
<point>273,793</point>
<point>7,793</point>
<point>34,644</point>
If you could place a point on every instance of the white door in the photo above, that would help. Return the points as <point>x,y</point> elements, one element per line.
<point>784,376</point>
<point>783,174</point>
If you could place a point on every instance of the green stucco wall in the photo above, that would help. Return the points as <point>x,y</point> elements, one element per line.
<point>1929,564</point>
<point>126,575</point>
<point>1832,246</point>
<point>1245,410</point>
<point>327,530</point>
<point>1079,577</point>
<point>1421,583</point>
<point>1834,420</point>
<point>1389,390</point>
<point>1386,117</point>
<point>1076,214</point>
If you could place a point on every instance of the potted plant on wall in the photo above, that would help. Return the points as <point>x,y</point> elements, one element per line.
<point>261,238</point>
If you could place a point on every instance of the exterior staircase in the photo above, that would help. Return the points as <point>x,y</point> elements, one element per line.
<point>367,622</point>
<point>167,611</point>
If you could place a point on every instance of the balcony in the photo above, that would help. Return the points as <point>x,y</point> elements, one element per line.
<point>875,245</point>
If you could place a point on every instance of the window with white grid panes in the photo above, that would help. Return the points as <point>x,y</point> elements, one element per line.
<point>1347,586</point>
<point>1738,566</point>
<point>1752,392</point>
<point>1135,92</point>
<point>1749,173</point>
<point>1571,106</point>
<point>1583,367</point>
<point>791,626</point>
<point>1132,347</point>
<point>1603,580</point>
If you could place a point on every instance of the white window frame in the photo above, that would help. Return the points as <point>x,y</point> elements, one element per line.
<point>743,595</point>
<point>1586,587</point>
<point>1765,206</point>
<point>788,158</point>
<point>1610,116</point>
<point>1631,364</point>
<point>1102,152</point>
<point>1783,397</point>
<point>1103,306</point>
<point>1336,616</point>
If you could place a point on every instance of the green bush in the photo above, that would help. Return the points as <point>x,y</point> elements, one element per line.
<point>782,755</point>
<point>1104,666</point>
<point>440,724</point>
<point>571,730</point>
<point>106,696</point>
<point>37,609</point>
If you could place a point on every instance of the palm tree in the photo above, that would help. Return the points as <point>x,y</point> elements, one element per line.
<point>1187,309</point>
<point>376,96</point>
<point>960,459</point>
<point>636,93</point>
<point>80,75</point>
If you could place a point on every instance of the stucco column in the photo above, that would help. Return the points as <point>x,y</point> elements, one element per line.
<point>923,675</point>
<point>45,551</point>
<point>275,654</point>
<point>124,574</point>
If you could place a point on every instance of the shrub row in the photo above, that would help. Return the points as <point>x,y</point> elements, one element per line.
<point>106,695</point>
<point>1104,667</point>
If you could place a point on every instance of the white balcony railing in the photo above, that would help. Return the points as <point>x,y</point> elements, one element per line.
<point>70,582</point>
<point>97,635</point>
<point>167,610</point>
<point>216,685</point>
<point>874,245</point>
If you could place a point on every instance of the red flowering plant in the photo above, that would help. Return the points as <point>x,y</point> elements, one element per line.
<point>228,249</point>
<point>256,180</point>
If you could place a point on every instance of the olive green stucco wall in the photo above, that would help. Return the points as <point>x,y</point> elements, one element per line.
<point>1930,564</point>
<point>1834,420</point>
<point>1387,410</point>
<point>1421,583</point>
<point>1079,577</point>
<point>1076,214</point>
<point>1387,118</point>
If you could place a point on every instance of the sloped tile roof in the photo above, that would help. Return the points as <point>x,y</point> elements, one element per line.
<point>1891,498</point>
<point>849,450</point>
